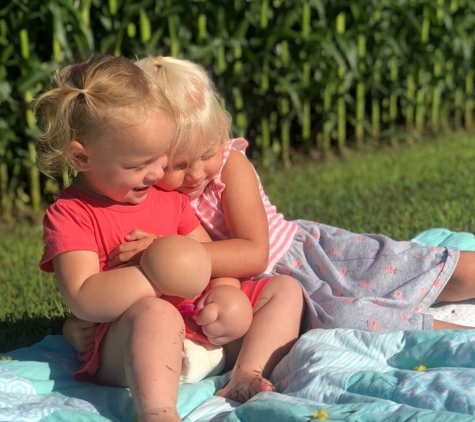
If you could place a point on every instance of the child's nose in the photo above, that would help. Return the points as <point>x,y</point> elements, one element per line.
<point>195,172</point>
<point>163,161</point>
<point>157,171</point>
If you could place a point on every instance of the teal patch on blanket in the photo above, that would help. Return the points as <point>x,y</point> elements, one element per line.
<point>36,384</point>
<point>443,237</point>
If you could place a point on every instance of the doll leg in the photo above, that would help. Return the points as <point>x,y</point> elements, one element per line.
<point>143,351</point>
<point>274,330</point>
<point>461,285</point>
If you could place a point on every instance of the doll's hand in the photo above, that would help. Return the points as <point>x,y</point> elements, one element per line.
<point>129,253</point>
<point>79,333</point>
<point>224,314</point>
<point>206,315</point>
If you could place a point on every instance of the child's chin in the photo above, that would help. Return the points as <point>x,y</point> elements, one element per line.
<point>138,198</point>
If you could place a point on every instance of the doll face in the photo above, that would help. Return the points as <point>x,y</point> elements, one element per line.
<point>191,174</point>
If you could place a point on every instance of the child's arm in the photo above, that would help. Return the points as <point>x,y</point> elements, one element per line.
<point>98,296</point>
<point>130,252</point>
<point>247,252</point>
<point>172,265</point>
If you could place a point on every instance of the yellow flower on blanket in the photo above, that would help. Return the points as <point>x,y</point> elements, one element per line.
<point>320,415</point>
<point>4,357</point>
<point>420,368</point>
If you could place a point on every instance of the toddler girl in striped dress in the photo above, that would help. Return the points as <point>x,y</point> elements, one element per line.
<point>350,280</point>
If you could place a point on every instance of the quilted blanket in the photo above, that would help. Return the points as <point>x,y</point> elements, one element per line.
<point>333,375</point>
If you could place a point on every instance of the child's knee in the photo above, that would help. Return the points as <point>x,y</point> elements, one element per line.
<point>153,310</point>
<point>287,283</point>
<point>286,287</point>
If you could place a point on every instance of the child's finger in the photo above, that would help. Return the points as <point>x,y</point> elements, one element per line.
<point>138,234</point>
<point>90,332</point>
<point>86,325</point>
<point>122,259</point>
<point>117,252</point>
<point>85,347</point>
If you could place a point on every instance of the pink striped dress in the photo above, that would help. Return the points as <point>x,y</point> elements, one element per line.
<point>350,280</point>
<point>208,207</point>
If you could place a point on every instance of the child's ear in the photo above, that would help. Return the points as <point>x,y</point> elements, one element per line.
<point>78,156</point>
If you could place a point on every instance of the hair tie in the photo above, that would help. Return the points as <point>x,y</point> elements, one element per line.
<point>82,91</point>
<point>158,62</point>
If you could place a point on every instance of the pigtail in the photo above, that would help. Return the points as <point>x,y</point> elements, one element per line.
<point>55,111</point>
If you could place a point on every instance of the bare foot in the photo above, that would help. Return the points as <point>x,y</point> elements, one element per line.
<point>165,414</point>
<point>242,386</point>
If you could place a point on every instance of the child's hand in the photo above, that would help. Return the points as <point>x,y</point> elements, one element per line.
<point>129,253</point>
<point>79,333</point>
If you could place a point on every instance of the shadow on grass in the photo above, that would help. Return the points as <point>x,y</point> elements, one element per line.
<point>26,331</point>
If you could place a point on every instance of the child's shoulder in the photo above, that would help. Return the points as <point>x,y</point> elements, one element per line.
<point>71,201</point>
<point>68,197</point>
<point>237,144</point>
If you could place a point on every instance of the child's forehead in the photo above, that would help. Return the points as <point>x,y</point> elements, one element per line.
<point>195,152</point>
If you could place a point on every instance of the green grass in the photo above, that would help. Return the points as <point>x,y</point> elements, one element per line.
<point>31,305</point>
<point>397,193</point>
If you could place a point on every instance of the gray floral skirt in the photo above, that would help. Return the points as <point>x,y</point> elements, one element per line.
<point>365,281</point>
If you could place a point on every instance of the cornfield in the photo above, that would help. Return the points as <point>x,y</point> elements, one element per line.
<point>323,75</point>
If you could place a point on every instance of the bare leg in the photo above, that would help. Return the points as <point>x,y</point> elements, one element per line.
<point>143,351</point>
<point>443,325</point>
<point>461,285</point>
<point>273,332</point>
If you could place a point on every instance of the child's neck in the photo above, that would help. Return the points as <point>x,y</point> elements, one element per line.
<point>81,183</point>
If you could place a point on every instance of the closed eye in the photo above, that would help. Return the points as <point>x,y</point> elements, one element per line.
<point>178,166</point>
<point>207,157</point>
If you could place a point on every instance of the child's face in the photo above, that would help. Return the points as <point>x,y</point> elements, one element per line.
<point>128,161</point>
<point>192,174</point>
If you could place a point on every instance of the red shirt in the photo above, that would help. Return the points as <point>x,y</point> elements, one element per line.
<point>78,221</point>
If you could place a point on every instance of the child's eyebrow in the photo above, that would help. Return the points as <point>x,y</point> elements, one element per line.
<point>210,150</point>
<point>139,162</point>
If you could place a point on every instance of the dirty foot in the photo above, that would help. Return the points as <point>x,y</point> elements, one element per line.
<point>242,386</point>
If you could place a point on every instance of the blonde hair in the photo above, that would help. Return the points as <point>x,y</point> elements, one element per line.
<point>201,120</point>
<point>86,99</point>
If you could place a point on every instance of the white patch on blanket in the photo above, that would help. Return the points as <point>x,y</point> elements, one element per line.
<point>462,313</point>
